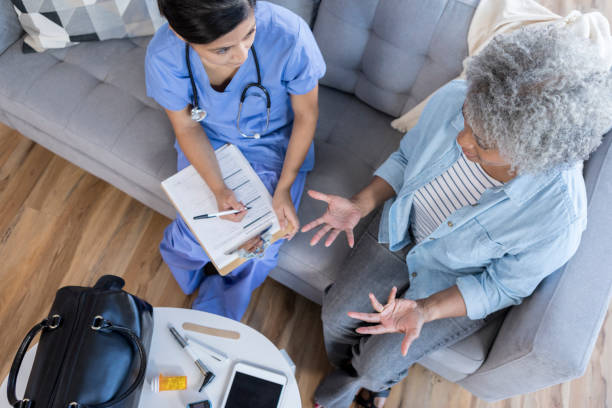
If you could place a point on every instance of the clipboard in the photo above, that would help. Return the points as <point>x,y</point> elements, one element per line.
<point>190,195</point>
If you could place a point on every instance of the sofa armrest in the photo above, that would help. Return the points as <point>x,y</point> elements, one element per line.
<point>549,338</point>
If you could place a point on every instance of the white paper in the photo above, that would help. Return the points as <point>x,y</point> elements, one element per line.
<point>191,196</point>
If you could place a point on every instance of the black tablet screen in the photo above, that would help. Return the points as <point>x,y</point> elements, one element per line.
<point>253,392</point>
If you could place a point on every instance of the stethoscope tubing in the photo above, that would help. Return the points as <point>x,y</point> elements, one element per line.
<point>198,114</point>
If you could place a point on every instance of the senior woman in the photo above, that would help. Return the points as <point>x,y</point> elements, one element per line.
<point>483,200</point>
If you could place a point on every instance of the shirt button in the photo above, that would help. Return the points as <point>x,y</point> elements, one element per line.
<point>414,274</point>
<point>431,238</point>
<point>450,224</point>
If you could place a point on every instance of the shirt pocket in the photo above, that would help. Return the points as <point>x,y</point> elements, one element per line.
<point>470,246</point>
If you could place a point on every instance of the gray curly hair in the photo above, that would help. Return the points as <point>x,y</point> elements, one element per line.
<point>541,95</point>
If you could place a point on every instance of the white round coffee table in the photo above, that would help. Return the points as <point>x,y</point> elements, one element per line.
<point>166,357</point>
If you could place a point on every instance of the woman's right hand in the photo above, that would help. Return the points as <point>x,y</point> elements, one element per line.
<point>226,200</point>
<point>397,316</point>
<point>342,215</point>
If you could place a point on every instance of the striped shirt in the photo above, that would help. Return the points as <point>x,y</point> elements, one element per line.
<point>462,184</point>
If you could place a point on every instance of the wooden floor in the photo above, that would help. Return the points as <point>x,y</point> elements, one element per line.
<point>60,226</point>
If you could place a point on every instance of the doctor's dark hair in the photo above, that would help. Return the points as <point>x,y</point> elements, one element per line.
<point>203,21</point>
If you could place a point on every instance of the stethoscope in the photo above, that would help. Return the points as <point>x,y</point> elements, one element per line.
<point>199,115</point>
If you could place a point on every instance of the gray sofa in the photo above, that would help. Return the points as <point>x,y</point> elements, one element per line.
<point>88,104</point>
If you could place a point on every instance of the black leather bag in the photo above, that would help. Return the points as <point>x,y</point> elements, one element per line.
<point>92,351</point>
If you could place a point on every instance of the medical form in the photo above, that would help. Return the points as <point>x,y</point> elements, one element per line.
<point>191,196</point>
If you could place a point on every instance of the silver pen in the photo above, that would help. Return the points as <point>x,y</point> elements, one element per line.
<point>211,351</point>
<point>219,214</point>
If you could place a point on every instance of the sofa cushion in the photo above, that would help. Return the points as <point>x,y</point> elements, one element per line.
<point>351,141</point>
<point>307,9</point>
<point>10,29</point>
<point>465,357</point>
<point>78,100</point>
<point>421,43</point>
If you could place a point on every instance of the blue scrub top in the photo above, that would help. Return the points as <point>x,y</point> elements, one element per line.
<point>290,63</point>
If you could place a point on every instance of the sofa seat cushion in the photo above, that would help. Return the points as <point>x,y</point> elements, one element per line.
<point>465,357</point>
<point>351,141</point>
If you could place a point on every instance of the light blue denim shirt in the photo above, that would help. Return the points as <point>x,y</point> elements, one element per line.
<point>496,251</point>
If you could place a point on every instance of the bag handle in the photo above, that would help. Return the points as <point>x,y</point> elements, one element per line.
<point>49,323</point>
<point>109,282</point>
<point>104,326</point>
<point>99,324</point>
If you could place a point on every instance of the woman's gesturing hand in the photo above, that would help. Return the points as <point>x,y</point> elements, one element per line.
<point>342,215</point>
<point>397,316</point>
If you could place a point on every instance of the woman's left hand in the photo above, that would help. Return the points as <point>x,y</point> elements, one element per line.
<point>397,316</point>
<point>285,211</point>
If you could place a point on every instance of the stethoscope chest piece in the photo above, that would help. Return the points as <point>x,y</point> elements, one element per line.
<point>198,114</point>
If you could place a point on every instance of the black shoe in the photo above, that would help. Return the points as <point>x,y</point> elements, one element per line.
<point>210,270</point>
<point>369,402</point>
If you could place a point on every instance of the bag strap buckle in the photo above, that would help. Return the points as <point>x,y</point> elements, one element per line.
<point>24,403</point>
<point>100,323</point>
<point>52,323</point>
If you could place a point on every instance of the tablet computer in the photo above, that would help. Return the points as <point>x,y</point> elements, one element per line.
<point>254,387</point>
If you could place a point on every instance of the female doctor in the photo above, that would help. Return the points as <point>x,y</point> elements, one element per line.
<point>233,71</point>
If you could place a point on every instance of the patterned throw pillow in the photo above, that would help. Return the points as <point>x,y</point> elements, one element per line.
<point>62,23</point>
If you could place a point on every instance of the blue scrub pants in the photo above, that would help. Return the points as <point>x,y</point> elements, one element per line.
<point>223,295</point>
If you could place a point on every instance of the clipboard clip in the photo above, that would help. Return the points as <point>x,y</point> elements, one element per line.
<point>266,237</point>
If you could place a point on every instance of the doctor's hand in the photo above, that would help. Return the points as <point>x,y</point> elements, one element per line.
<point>285,211</point>
<point>342,215</point>
<point>397,316</point>
<point>253,245</point>
<point>226,200</point>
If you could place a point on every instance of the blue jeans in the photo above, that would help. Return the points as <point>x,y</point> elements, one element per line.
<point>373,362</point>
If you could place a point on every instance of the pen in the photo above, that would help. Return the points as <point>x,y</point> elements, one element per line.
<point>208,375</point>
<point>213,352</point>
<point>219,214</point>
